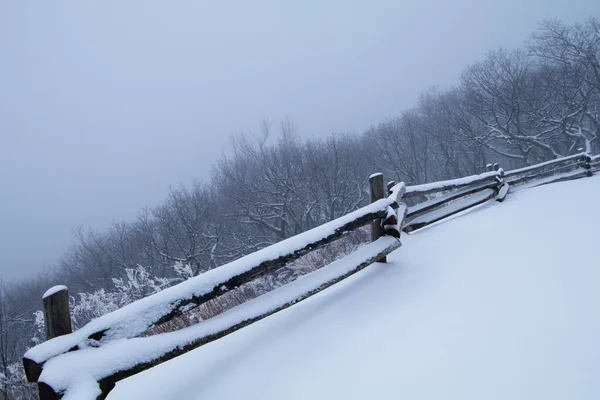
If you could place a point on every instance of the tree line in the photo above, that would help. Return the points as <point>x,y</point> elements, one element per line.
<point>516,107</point>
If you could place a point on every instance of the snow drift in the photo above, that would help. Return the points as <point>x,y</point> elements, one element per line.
<point>499,303</point>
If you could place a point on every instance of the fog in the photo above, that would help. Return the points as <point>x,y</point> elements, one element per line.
<point>105,104</point>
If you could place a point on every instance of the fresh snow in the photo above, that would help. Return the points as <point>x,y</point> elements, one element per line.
<point>442,185</point>
<point>75,370</point>
<point>53,290</point>
<point>504,188</point>
<point>397,191</point>
<point>453,207</point>
<point>500,303</point>
<point>577,173</point>
<point>137,317</point>
<point>595,162</point>
<point>446,197</point>
<point>519,171</point>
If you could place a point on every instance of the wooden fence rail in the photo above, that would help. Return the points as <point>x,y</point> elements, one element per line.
<point>60,367</point>
<point>136,318</point>
<point>595,163</point>
<point>127,357</point>
<point>572,167</point>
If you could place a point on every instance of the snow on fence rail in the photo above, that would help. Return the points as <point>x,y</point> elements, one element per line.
<point>561,169</point>
<point>86,364</point>
<point>454,184</point>
<point>595,163</point>
<point>558,161</point>
<point>118,360</point>
<point>452,197</point>
<point>136,318</point>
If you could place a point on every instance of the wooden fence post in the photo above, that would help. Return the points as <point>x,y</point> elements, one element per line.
<point>57,316</point>
<point>586,164</point>
<point>503,187</point>
<point>376,191</point>
<point>390,185</point>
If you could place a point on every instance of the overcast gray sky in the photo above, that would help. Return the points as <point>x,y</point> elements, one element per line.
<point>104,104</point>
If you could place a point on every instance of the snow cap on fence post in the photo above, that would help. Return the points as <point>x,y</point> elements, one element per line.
<point>376,193</point>
<point>57,317</point>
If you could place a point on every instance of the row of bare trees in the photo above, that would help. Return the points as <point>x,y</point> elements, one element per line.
<point>514,107</point>
<point>517,107</point>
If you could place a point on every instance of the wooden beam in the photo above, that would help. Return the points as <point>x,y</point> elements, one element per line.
<point>433,204</point>
<point>454,184</point>
<point>450,209</point>
<point>259,264</point>
<point>389,186</point>
<point>57,317</point>
<point>540,174</point>
<point>566,177</point>
<point>376,193</point>
<point>57,322</point>
<point>569,160</point>
<point>350,265</point>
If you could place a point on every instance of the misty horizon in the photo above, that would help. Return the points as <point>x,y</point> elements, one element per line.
<point>106,106</point>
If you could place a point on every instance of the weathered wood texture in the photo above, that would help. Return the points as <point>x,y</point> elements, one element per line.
<point>458,195</point>
<point>436,209</point>
<point>595,163</point>
<point>575,174</point>
<point>546,171</point>
<point>376,190</point>
<point>452,185</point>
<point>57,317</point>
<point>442,201</point>
<point>33,370</point>
<point>57,322</point>
<point>390,185</point>
<point>177,308</point>
<point>107,383</point>
<point>450,209</point>
<point>395,193</point>
<point>391,225</point>
<point>548,165</point>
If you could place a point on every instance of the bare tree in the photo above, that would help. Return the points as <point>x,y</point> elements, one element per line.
<point>569,61</point>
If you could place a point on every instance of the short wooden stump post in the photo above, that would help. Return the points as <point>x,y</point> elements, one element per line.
<point>57,317</point>
<point>376,193</point>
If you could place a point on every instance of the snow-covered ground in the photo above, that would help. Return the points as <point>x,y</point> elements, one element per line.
<point>500,303</point>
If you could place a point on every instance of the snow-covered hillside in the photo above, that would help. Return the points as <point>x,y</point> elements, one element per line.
<point>500,303</point>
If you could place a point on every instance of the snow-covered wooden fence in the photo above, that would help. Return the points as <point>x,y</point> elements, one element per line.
<point>108,348</point>
<point>560,169</point>
<point>447,198</point>
<point>595,163</point>
<point>86,364</point>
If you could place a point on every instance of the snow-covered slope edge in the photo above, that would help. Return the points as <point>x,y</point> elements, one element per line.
<point>499,303</point>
